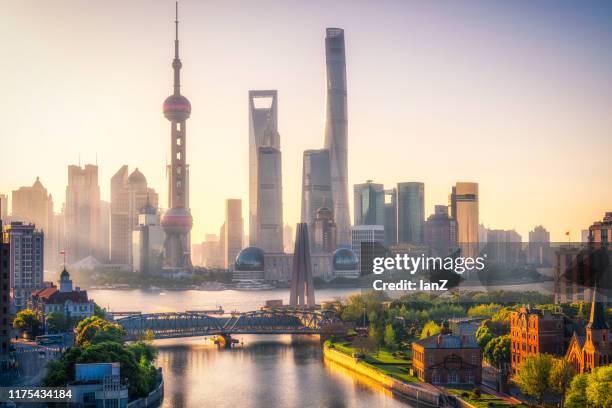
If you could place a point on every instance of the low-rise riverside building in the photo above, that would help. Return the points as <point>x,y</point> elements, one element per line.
<point>447,359</point>
<point>71,302</point>
<point>99,385</point>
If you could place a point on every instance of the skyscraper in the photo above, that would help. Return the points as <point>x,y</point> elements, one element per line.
<point>129,194</point>
<point>390,217</point>
<point>410,212</point>
<point>316,184</point>
<point>148,241</point>
<point>440,232</point>
<point>82,213</point>
<point>371,234</point>
<point>265,172</point>
<point>369,203</point>
<point>26,260</point>
<point>3,206</point>
<point>234,229</point>
<point>336,134</point>
<point>463,205</point>
<point>324,238</point>
<point>5,301</point>
<point>540,252</point>
<point>34,205</point>
<point>177,220</point>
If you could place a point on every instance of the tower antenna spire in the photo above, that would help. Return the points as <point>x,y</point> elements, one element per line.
<point>176,64</point>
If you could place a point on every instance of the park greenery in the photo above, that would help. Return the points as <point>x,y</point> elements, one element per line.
<point>395,324</point>
<point>27,321</point>
<point>592,390</point>
<point>100,341</point>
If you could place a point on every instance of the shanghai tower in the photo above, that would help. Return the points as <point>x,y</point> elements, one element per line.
<point>177,219</point>
<point>336,130</point>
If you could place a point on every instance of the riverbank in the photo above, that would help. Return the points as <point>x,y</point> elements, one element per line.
<point>421,393</point>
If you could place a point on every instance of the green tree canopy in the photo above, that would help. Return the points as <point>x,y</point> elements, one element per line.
<point>430,329</point>
<point>561,374</point>
<point>390,338</point>
<point>483,335</point>
<point>27,321</point>
<point>95,330</point>
<point>497,351</point>
<point>57,322</point>
<point>533,375</point>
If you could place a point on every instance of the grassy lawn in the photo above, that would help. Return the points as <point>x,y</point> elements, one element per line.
<point>383,361</point>
<point>484,401</point>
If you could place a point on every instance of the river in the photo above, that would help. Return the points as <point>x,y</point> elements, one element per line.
<point>264,371</point>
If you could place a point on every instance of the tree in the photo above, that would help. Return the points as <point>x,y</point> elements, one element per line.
<point>27,321</point>
<point>375,332</point>
<point>483,310</point>
<point>57,322</point>
<point>599,387</point>
<point>144,350</point>
<point>430,329</point>
<point>390,338</point>
<point>533,375</point>
<point>95,330</point>
<point>575,397</point>
<point>483,335</point>
<point>497,351</point>
<point>561,375</point>
<point>98,311</point>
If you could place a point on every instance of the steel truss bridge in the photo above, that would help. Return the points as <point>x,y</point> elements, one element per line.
<point>267,321</point>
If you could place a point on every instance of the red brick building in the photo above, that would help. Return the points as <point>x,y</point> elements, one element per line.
<point>535,331</point>
<point>447,359</point>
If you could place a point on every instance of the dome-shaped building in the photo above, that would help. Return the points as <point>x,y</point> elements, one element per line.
<point>249,264</point>
<point>345,263</point>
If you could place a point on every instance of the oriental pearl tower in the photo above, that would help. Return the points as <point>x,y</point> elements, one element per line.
<point>177,221</point>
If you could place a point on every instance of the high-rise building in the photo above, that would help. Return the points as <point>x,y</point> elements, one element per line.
<point>82,213</point>
<point>288,238</point>
<point>410,212</point>
<point>234,229</point>
<point>265,172</point>
<point>390,217</point>
<point>316,184</point>
<point>324,232</point>
<point>5,300</point>
<point>601,231</point>
<point>369,203</point>
<point>148,241</point>
<point>34,205</point>
<point>105,237</point>
<point>129,194</point>
<point>3,206</point>
<point>177,220</point>
<point>539,252</point>
<point>26,260</point>
<point>440,232</point>
<point>366,233</point>
<point>463,203</point>
<point>336,130</point>
<point>503,247</point>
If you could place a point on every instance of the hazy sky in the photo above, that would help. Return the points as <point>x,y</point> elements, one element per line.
<point>515,95</point>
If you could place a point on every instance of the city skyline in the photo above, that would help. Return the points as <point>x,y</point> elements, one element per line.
<point>542,128</point>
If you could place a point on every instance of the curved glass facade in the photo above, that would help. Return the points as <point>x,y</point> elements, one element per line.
<point>250,259</point>
<point>345,260</point>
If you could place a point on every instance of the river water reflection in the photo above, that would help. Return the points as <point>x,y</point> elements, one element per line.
<point>266,371</point>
